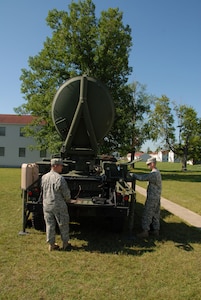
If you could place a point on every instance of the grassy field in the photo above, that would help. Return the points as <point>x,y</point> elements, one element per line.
<point>102,264</point>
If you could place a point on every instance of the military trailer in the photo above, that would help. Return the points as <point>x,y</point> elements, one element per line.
<point>83,114</point>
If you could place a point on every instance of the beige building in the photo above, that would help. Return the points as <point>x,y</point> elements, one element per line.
<point>14,146</point>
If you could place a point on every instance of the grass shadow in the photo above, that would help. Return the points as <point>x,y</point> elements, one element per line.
<point>182,234</point>
<point>176,231</point>
<point>100,238</point>
<point>181,177</point>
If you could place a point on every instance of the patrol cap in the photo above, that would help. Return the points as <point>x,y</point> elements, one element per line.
<point>151,160</point>
<point>56,161</point>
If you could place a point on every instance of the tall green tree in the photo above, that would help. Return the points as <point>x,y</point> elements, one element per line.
<point>139,108</point>
<point>161,121</point>
<point>189,142</point>
<point>182,136</point>
<point>80,44</point>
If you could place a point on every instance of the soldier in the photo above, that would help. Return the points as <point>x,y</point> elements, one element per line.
<point>151,214</point>
<point>55,195</point>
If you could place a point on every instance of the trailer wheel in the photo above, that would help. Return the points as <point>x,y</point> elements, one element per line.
<point>38,221</point>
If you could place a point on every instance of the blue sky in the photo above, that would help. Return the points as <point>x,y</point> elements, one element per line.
<point>166,52</point>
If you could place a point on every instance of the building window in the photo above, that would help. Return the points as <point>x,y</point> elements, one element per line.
<point>22,152</point>
<point>2,151</point>
<point>43,153</point>
<point>22,131</point>
<point>2,131</point>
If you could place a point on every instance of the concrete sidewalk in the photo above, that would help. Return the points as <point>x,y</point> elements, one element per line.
<point>177,210</point>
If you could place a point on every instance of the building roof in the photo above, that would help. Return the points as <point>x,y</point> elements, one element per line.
<point>16,119</point>
<point>138,154</point>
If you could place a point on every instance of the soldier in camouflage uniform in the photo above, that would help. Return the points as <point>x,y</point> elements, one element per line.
<point>151,214</point>
<point>55,195</point>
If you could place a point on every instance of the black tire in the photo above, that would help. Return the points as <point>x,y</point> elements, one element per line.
<point>38,221</point>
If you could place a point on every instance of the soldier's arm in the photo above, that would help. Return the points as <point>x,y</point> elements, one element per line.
<point>151,177</point>
<point>65,189</point>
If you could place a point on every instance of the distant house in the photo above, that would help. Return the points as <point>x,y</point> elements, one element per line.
<point>161,156</point>
<point>155,155</point>
<point>139,156</point>
<point>165,156</point>
<point>14,146</point>
<point>172,157</point>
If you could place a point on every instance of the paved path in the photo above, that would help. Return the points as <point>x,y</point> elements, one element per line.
<point>179,211</point>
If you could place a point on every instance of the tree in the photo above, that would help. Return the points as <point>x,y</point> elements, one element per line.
<point>189,134</point>
<point>161,121</point>
<point>139,108</point>
<point>197,144</point>
<point>185,142</point>
<point>80,44</point>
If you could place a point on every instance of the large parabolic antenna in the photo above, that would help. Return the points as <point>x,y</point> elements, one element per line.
<point>83,113</point>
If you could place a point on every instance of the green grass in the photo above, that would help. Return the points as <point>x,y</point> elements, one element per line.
<point>102,265</point>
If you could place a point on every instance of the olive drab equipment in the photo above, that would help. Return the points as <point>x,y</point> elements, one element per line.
<point>83,114</point>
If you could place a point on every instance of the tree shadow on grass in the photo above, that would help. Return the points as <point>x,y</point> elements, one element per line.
<point>182,234</point>
<point>181,176</point>
<point>97,235</point>
<point>173,229</point>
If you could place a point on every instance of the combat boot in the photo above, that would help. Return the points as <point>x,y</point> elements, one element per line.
<point>143,234</point>
<point>54,247</point>
<point>67,246</point>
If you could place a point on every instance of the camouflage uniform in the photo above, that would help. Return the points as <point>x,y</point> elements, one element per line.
<point>151,214</point>
<point>55,195</point>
